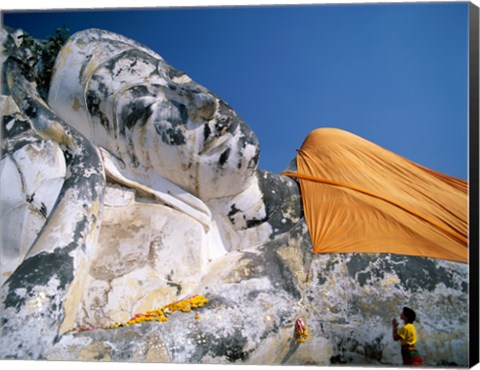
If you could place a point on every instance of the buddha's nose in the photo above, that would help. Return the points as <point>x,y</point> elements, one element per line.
<point>204,107</point>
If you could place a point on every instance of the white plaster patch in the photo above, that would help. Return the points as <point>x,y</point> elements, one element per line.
<point>31,180</point>
<point>21,292</point>
<point>117,196</point>
<point>183,79</point>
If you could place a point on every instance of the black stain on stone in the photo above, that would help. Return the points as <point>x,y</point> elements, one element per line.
<point>248,139</point>
<point>37,271</point>
<point>93,105</point>
<point>321,279</point>
<point>30,108</point>
<point>173,73</point>
<point>136,113</point>
<point>252,163</point>
<point>415,273</point>
<point>68,157</point>
<point>18,125</point>
<point>230,346</point>
<point>43,210</point>
<point>171,135</point>
<point>183,111</point>
<point>280,199</point>
<point>226,120</point>
<point>221,125</point>
<point>171,121</point>
<point>83,67</point>
<point>224,157</point>
<point>233,211</point>
<point>276,270</point>
<point>255,222</point>
<point>139,91</point>
<point>339,360</point>
<point>173,284</point>
<point>206,132</point>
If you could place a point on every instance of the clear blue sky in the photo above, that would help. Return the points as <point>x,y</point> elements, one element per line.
<point>395,74</point>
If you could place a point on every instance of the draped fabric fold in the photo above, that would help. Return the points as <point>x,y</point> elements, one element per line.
<point>360,197</point>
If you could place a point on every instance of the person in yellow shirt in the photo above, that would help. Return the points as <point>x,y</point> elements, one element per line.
<point>407,336</point>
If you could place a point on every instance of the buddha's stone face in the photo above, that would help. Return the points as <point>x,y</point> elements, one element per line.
<point>153,117</point>
<point>186,134</point>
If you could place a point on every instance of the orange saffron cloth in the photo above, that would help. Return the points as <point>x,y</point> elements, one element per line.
<point>360,197</point>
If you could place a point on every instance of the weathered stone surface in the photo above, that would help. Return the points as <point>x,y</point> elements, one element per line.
<point>40,297</point>
<point>158,198</point>
<point>33,171</point>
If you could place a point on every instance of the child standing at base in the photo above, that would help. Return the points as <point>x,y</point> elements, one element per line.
<point>407,336</point>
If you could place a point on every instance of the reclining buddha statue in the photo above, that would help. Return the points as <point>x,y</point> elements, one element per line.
<point>128,186</point>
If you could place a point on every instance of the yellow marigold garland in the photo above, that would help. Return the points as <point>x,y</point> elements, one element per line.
<point>161,314</point>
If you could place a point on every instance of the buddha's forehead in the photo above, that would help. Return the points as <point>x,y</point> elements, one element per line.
<point>116,61</point>
<point>99,44</point>
<point>111,63</point>
<point>135,67</point>
<point>124,71</point>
